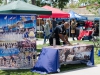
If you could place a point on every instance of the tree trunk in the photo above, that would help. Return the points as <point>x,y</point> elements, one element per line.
<point>33,2</point>
<point>5,1</point>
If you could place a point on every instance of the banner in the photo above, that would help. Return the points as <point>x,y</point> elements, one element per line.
<point>75,54</point>
<point>17,41</point>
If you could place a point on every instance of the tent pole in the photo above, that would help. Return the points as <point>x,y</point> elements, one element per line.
<point>69,27</point>
<point>39,28</point>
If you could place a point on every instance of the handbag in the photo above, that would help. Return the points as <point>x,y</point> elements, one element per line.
<point>72,31</point>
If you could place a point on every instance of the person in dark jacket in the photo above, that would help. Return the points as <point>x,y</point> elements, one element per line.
<point>96,30</point>
<point>60,33</point>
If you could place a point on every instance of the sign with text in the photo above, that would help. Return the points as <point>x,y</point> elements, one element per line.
<point>17,41</point>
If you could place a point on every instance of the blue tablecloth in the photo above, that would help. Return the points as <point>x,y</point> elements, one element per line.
<point>49,61</point>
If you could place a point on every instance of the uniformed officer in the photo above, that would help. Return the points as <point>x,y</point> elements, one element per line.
<point>60,33</point>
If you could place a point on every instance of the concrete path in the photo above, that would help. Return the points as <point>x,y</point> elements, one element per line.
<point>40,41</point>
<point>85,71</point>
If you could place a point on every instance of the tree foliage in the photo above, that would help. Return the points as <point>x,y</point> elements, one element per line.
<point>55,3</point>
<point>74,5</point>
<point>92,5</point>
<point>0,1</point>
<point>62,3</point>
<point>40,4</point>
<point>33,1</point>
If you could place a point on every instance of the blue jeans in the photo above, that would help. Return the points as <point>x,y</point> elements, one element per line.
<point>46,38</point>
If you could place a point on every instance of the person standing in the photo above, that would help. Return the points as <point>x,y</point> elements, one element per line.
<point>54,24</point>
<point>46,30</point>
<point>73,28</point>
<point>96,29</point>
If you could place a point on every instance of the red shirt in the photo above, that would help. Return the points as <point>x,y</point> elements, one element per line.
<point>88,24</point>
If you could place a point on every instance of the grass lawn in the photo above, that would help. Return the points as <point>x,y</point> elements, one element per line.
<point>63,67</point>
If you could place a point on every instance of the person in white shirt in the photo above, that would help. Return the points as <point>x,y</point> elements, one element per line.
<point>46,30</point>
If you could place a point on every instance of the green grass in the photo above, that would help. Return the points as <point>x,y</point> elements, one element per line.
<point>96,59</point>
<point>84,42</point>
<point>41,46</point>
<point>17,72</point>
<point>72,67</point>
<point>63,67</point>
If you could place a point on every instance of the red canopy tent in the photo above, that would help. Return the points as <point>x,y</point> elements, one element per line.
<point>56,13</point>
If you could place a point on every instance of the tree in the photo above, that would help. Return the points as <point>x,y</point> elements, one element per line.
<point>74,5</point>
<point>91,5</point>
<point>33,2</point>
<point>0,2</point>
<point>17,0</point>
<point>57,3</point>
<point>40,4</point>
<point>60,3</point>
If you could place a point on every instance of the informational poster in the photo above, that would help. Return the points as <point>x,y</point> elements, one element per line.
<point>17,41</point>
<point>71,55</point>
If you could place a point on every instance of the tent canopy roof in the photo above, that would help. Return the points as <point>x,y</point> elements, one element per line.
<point>77,16</point>
<point>23,7</point>
<point>56,13</point>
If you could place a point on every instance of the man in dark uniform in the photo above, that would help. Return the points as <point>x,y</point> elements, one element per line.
<point>60,33</point>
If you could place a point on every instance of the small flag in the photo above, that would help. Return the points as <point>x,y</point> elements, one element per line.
<point>11,18</point>
<point>14,18</point>
<point>5,17</point>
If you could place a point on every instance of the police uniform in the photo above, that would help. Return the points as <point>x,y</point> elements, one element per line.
<point>55,34</point>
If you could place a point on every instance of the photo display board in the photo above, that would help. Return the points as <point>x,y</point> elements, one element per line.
<point>17,41</point>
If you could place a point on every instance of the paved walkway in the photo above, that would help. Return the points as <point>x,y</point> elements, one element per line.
<point>85,71</point>
<point>40,41</point>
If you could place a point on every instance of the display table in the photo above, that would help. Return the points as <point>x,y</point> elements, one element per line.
<point>84,33</point>
<point>52,57</point>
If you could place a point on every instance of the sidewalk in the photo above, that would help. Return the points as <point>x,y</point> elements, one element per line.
<point>40,41</point>
<point>85,71</point>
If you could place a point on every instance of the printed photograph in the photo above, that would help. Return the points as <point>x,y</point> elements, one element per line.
<point>17,41</point>
<point>75,54</point>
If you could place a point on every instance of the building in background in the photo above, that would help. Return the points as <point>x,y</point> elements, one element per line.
<point>83,11</point>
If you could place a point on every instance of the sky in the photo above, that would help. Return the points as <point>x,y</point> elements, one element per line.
<point>6,19</point>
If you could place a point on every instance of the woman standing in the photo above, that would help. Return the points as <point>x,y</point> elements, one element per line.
<point>73,28</point>
<point>46,30</point>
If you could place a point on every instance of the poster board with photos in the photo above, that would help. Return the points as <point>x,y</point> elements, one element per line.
<point>75,54</point>
<point>17,41</point>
